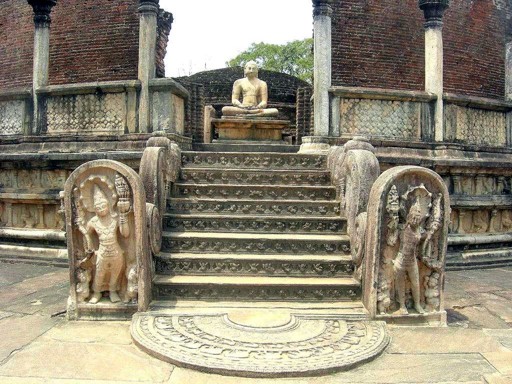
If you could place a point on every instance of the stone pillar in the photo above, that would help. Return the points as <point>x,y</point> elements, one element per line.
<point>322,12</point>
<point>433,11</point>
<point>42,20</point>
<point>508,63</point>
<point>148,13</point>
<point>508,78</point>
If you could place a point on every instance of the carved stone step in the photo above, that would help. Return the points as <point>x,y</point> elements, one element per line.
<point>254,223</point>
<point>347,310</point>
<point>231,288</point>
<point>204,242</point>
<point>254,192</point>
<point>254,265</point>
<point>251,207</point>
<point>261,160</point>
<point>255,176</point>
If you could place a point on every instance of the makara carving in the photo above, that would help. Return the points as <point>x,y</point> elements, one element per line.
<point>354,168</point>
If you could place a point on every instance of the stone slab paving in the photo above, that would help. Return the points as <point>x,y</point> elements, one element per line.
<point>39,346</point>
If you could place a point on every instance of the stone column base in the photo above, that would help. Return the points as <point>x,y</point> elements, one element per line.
<point>315,144</point>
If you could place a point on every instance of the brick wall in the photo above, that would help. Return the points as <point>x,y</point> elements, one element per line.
<point>380,43</point>
<point>16,44</point>
<point>165,20</point>
<point>90,40</point>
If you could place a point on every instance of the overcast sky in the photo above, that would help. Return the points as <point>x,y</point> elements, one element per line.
<point>205,33</point>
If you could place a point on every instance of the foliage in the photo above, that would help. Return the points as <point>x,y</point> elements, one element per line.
<point>294,58</point>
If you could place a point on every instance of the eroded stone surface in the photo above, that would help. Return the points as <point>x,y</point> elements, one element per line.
<point>249,345</point>
<point>97,362</point>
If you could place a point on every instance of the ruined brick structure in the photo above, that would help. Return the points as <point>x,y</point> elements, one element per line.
<point>90,41</point>
<point>380,44</point>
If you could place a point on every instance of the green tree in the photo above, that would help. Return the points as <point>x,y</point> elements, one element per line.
<point>294,58</point>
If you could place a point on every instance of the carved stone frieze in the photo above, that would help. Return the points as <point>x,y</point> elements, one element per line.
<point>12,117</point>
<point>232,267</point>
<point>248,160</point>
<point>107,240</point>
<point>94,113</point>
<point>30,216</point>
<point>291,345</point>
<point>30,179</point>
<point>264,246</point>
<point>256,192</point>
<point>408,217</point>
<point>296,292</point>
<point>309,225</point>
<point>260,207</point>
<point>255,177</point>
<point>380,118</point>
<point>489,220</point>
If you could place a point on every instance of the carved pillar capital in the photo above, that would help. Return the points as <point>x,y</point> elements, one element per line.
<point>149,6</point>
<point>433,11</point>
<point>42,10</point>
<point>322,7</point>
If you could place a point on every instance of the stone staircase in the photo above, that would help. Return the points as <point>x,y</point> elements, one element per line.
<point>255,227</point>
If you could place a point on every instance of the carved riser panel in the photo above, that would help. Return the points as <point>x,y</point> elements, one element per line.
<point>260,161</point>
<point>263,226</point>
<point>474,184</point>
<point>481,221</point>
<point>262,177</point>
<point>230,267</point>
<point>30,215</point>
<point>255,246</point>
<point>256,208</point>
<point>255,193</point>
<point>298,293</point>
<point>35,180</point>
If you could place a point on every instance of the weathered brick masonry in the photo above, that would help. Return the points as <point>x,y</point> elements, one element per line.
<point>380,43</point>
<point>90,40</point>
<point>16,43</point>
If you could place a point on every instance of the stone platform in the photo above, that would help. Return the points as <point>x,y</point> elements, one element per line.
<point>259,343</point>
<point>250,129</point>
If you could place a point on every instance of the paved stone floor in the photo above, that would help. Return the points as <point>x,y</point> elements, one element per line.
<point>37,344</point>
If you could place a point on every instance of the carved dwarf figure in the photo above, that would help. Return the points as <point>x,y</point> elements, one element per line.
<point>254,94</point>
<point>406,259</point>
<point>109,255</point>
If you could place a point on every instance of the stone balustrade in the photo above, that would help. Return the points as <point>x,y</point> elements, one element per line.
<point>97,109</point>
<point>409,115</point>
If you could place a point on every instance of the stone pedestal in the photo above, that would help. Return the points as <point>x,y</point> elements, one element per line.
<point>315,144</point>
<point>250,129</point>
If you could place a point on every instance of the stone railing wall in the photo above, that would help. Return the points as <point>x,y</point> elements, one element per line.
<point>15,112</point>
<point>477,121</point>
<point>379,113</point>
<point>91,109</point>
<point>409,116</point>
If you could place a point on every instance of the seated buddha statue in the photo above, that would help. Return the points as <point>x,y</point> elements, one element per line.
<point>254,94</point>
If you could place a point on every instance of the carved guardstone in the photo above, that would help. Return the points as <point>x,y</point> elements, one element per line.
<point>406,241</point>
<point>110,267</point>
